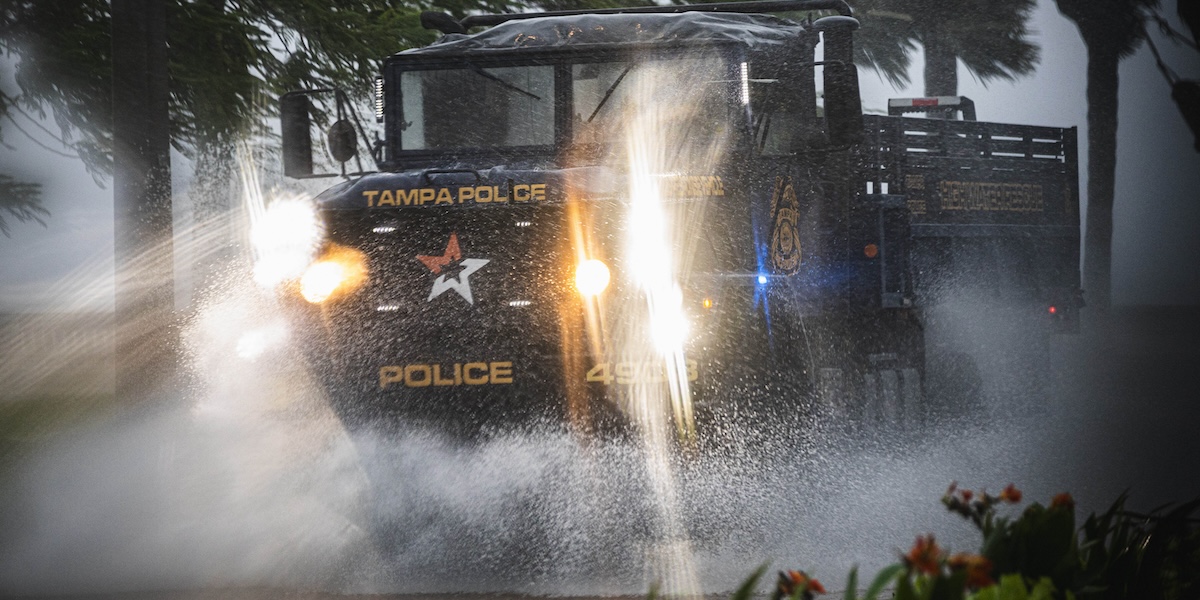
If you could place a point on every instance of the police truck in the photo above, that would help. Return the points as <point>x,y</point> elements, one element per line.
<point>572,216</point>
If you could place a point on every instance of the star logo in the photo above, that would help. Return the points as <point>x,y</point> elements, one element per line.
<point>453,270</point>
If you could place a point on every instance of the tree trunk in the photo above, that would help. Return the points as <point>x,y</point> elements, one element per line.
<point>146,338</point>
<point>941,65</point>
<point>1102,90</point>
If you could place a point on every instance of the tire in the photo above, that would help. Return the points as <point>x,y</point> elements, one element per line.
<point>893,399</point>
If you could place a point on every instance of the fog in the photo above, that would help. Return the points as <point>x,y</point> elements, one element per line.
<point>240,475</point>
<point>246,479</point>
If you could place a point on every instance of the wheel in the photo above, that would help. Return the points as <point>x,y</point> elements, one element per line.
<point>892,399</point>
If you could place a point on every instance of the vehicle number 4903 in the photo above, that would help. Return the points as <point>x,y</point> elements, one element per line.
<point>627,373</point>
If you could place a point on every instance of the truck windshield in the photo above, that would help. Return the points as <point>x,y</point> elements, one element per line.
<point>469,106</point>
<point>474,107</point>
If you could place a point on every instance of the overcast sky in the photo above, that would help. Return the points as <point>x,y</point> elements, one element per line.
<point>1156,246</point>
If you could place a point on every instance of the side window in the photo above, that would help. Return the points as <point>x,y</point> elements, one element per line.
<point>783,100</point>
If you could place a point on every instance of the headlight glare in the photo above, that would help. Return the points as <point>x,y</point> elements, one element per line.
<point>338,272</point>
<point>591,277</point>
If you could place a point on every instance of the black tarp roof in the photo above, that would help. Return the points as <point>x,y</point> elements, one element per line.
<point>582,31</point>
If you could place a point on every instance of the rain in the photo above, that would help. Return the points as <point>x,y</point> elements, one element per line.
<point>289,447</point>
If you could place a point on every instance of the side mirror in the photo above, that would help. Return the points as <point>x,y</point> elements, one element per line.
<point>294,108</point>
<point>843,105</point>
<point>343,142</point>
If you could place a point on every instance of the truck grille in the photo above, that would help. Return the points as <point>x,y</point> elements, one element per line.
<point>449,281</point>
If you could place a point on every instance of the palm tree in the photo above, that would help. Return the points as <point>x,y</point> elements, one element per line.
<point>988,36</point>
<point>1111,30</point>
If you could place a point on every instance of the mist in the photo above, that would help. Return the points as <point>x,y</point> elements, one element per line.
<point>239,475</point>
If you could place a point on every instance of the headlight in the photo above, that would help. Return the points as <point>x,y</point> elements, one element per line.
<point>591,277</point>
<point>285,236</point>
<point>338,272</point>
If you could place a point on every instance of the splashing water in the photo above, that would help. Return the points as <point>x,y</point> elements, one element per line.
<point>244,477</point>
<point>658,145</point>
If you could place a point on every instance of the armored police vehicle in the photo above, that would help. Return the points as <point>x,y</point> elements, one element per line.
<point>578,215</point>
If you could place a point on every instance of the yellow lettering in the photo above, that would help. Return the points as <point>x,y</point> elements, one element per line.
<point>437,376</point>
<point>470,379</point>
<point>498,197</point>
<point>465,193</point>
<point>599,373</point>
<point>370,196</point>
<point>632,373</point>
<point>537,192</point>
<point>408,197</point>
<point>521,193</point>
<point>443,197</point>
<point>385,197</point>
<point>501,372</point>
<point>411,380</point>
<point>625,373</point>
<point>427,195</point>
<point>389,375</point>
<point>481,196</point>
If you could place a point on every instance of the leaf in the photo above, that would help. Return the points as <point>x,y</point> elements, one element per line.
<point>1012,587</point>
<point>991,592</point>
<point>1042,590</point>
<point>852,584</point>
<point>21,200</point>
<point>905,590</point>
<point>882,579</point>
<point>949,588</point>
<point>746,590</point>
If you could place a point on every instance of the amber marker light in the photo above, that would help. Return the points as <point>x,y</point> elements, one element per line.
<point>591,277</point>
<point>339,271</point>
<point>871,250</point>
<point>707,303</point>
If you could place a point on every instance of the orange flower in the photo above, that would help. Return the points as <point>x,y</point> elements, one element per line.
<point>1010,494</point>
<point>979,569</point>
<point>925,555</point>
<point>967,495</point>
<point>792,581</point>
<point>1062,500</point>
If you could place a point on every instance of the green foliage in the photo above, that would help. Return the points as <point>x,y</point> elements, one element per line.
<point>1130,555</point>
<point>228,61</point>
<point>1040,555</point>
<point>20,200</point>
<point>1012,587</point>
<point>65,50</point>
<point>990,37</point>
<point>881,581</point>
<point>746,590</point>
<point>1041,543</point>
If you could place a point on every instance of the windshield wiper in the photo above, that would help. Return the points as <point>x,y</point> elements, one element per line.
<point>612,88</point>
<point>502,82</point>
